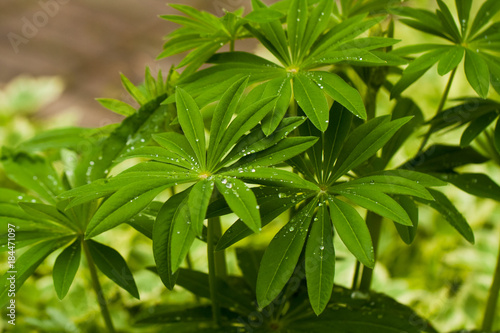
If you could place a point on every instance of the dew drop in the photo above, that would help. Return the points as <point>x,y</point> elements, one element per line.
<point>291,229</point>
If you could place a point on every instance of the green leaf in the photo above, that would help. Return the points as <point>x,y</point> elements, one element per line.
<point>423,20</point>
<point>340,91</point>
<point>274,37</point>
<point>133,132</point>
<point>404,107</point>
<point>475,128</point>
<point>223,114</point>
<point>448,21</point>
<point>282,254</point>
<point>353,311</point>
<point>477,184</point>
<point>320,261</point>
<point>175,143</point>
<point>37,210</point>
<point>336,133</point>
<point>158,154</point>
<point>244,121</point>
<point>241,200</point>
<point>280,152</point>
<point>70,137</point>
<point>198,201</point>
<point>181,235</point>
<point>34,173</point>
<point>264,15</point>
<point>450,213</point>
<point>425,61</point>
<point>450,59</point>
<point>281,87</point>
<point>496,136</point>
<point>317,23</point>
<point>421,178</point>
<point>191,122</point>
<point>463,9</point>
<point>477,73</point>
<point>163,230</point>
<point>117,106</point>
<point>272,177</point>
<point>379,203</point>
<point>442,158</point>
<point>257,141</point>
<point>408,233</point>
<point>312,100</point>
<point>133,90</point>
<point>296,25</point>
<point>124,204</point>
<point>112,264</point>
<point>353,231</point>
<point>65,268</point>
<point>385,184</point>
<point>271,206</point>
<point>27,263</point>
<point>363,143</point>
<point>486,12</point>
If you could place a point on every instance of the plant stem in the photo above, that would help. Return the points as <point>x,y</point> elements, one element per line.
<point>374,223</point>
<point>491,304</point>
<point>212,276</point>
<point>355,278</point>
<point>231,45</point>
<point>440,107</point>
<point>220,256</point>
<point>98,290</point>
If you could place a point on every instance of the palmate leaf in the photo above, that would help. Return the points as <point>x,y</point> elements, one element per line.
<point>203,33</point>
<point>112,264</point>
<point>282,254</point>
<point>477,63</point>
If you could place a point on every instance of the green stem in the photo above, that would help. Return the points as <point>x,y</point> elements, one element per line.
<point>231,45</point>
<point>98,290</point>
<point>355,279</point>
<point>440,107</point>
<point>374,223</point>
<point>212,277</point>
<point>491,304</point>
<point>220,256</point>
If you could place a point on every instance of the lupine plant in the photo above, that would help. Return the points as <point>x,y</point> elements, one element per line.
<point>297,135</point>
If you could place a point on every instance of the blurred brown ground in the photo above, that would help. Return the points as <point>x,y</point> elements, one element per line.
<point>88,43</point>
